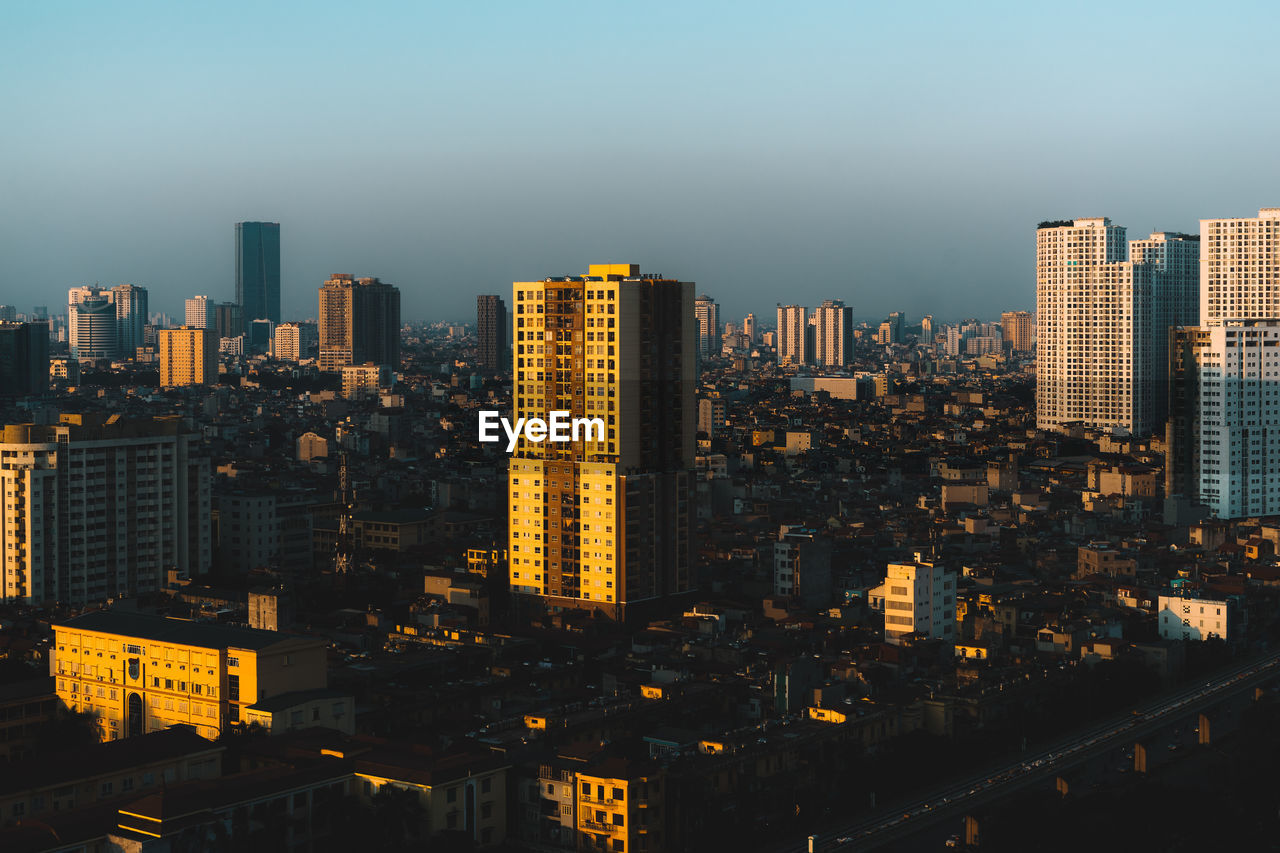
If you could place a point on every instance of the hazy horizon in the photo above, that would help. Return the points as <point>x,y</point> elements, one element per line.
<point>897,159</point>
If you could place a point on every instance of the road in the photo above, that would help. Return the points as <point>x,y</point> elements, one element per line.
<point>955,799</point>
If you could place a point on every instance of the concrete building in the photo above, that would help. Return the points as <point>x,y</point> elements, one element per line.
<point>604,522</point>
<point>1224,449</point>
<point>1103,323</point>
<point>264,530</point>
<point>93,331</point>
<point>228,319</point>
<point>100,508</point>
<point>794,342</point>
<point>24,359</point>
<point>188,357</point>
<point>802,566</point>
<point>706,312</point>
<point>359,322</point>
<point>919,598</point>
<point>832,334</point>
<point>364,380</point>
<point>491,330</point>
<point>294,341</point>
<point>749,329</point>
<point>1181,618</point>
<point>1018,329</point>
<point>137,673</point>
<point>131,318</point>
<point>1238,274</point>
<point>199,313</point>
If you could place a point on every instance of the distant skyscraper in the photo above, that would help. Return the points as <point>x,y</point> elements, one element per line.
<point>833,334</point>
<point>1240,278</point>
<point>793,334</point>
<point>24,359</point>
<point>707,313</point>
<point>359,322</point>
<point>131,315</point>
<point>926,330</point>
<point>1018,329</point>
<point>94,329</point>
<point>491,328</point>
<point>258,271</point>
<point>604,523</point>
<point>8,314</point>
<point>200,313</point>
<point>749,328</point>
<point>1103,321</point>
<point>188,357</point>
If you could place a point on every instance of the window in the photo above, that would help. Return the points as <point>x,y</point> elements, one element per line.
<point>451,795</point>
<point>233,688</point>
<point>486,785</point>
<point>233,661</point>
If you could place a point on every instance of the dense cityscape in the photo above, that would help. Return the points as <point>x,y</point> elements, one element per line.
<point>814,583</point>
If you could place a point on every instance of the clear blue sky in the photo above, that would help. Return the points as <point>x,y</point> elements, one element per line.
<point>896,156</point>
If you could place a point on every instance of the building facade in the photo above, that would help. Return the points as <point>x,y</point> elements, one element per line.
<point>258,271</point>
<point>919,598</point>
<point>24,359</point>
<point>198,312</point>
<point>1018,329</point>
<point>793,334</point>
<point>359,322</point>
<point>1224,438</point>
<point>1103,323</point>
<point>138,673</point>
<point>832,334</point>
<point>1238,273</point>
<point>93,331</point>
<point>100,508</point>
<point>604,522</point>
<point>491,329</point>
<point>706,313</point>
<point>188,357</point>
<point>131,318</point>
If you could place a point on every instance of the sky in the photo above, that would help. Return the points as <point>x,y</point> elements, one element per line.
<point>895,156</point>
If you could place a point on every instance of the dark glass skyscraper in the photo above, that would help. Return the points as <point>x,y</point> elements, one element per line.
<point>258,271</point>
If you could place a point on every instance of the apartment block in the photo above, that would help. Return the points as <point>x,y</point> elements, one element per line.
<point>1103,323</point>
<point>603,522</point>
<point>919,598</point>
<point>188,357</point>
<point>99,508</point>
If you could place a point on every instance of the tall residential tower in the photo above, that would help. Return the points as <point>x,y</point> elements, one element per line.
<point>604,522</point>
<point>491,328</point>
<point>1103,323</point>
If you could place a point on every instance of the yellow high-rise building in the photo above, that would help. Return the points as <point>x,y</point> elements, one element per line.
<point>137,673</point>
<point>188,357</point>
<point>603,522</point>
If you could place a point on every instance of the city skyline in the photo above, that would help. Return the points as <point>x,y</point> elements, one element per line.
<point>801,152</point>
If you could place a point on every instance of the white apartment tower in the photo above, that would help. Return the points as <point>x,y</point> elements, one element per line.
<point>1225,430</point>
<point>919,598</point>
<point>1240,268</point>
<point>199,313</point>
<point>749,328</point>
<point>100,508</point>
<point>793,331</point>
<point>1103,321</point>
<point>832,334</point>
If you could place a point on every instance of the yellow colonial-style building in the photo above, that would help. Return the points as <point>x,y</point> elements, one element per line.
<point>138,673</point>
